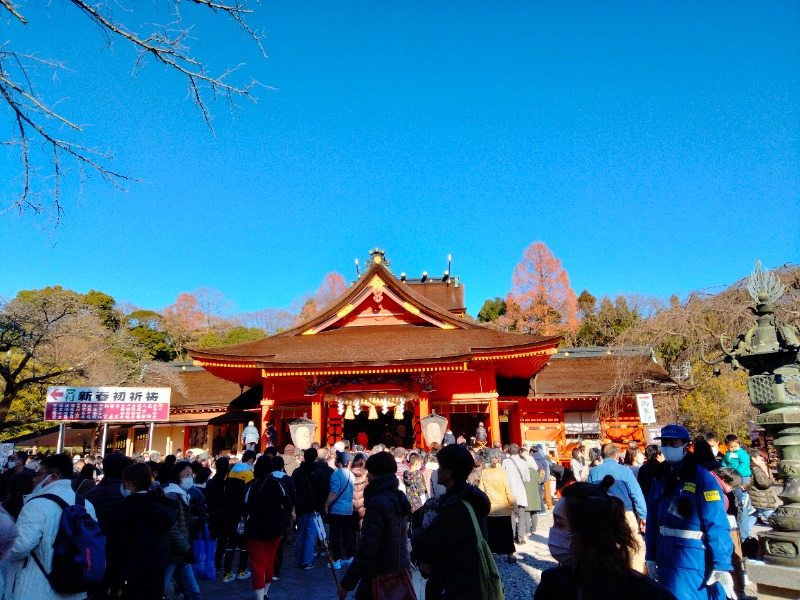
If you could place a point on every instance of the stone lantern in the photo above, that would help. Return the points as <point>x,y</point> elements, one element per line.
<point>770,352</point>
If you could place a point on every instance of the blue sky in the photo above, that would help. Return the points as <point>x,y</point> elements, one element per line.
<point>654,147</point>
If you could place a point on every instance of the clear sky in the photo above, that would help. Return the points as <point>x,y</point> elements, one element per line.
<point>654,147</point>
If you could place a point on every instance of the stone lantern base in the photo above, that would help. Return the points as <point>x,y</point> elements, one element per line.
<point>774,582</point>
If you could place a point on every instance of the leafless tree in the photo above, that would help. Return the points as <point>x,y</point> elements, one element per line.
<point>678,334</point>
<point>214,306</point>
<point>43,133</point>
<point>269,320</point>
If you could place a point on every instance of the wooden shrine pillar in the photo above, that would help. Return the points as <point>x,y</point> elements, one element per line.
<point>318,415</point>
<point>494,420</point>
<point>129,441</point>
<point>209,439</point>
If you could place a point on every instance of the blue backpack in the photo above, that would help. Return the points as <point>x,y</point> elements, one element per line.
<point>79,550</point>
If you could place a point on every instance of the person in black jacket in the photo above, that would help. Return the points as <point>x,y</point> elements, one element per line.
<point>20,485</point>
<point>592,542</point>
<point>309,486</point>
<point>383,547</point>
<point>145,519</point>
<point>447,549</point>
<point>278,468</point>
<point>214,491</point>
<point>267,510</point>
<point>649,469</point>
<point>106,497</point>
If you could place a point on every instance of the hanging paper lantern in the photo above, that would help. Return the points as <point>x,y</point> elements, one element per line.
<point>373,414</point>
<point>302,432</point>
<point>348,414</point>
<point>433,428</point>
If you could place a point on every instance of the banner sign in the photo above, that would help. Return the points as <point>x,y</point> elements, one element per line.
<point>107,404</point>
<point>647,410</point>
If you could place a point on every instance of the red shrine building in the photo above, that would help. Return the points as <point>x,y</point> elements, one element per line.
<point>392,350</point>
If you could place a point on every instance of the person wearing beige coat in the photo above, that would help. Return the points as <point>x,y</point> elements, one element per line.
<point>494,483</point>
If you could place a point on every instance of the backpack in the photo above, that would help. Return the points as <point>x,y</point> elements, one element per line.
<point>79,550</point>
<point>491,585</point>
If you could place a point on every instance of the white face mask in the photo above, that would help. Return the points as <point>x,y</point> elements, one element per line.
<point>673,455</point>
<point>11,464</point>
<point>187,483</point>
<point>40,485</point>
<point>559,542</point>
<point>124,491</point>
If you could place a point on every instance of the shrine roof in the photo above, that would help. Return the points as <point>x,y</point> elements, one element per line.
<point>384,345</point>
<point>432,335</point>
<point>574,375</point>
<point>202,391</point>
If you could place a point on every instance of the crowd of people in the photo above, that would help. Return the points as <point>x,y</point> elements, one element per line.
<point>666,522</point>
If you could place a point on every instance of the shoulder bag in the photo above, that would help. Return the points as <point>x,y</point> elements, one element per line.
<point>397,585</point>
<point>339,495</point>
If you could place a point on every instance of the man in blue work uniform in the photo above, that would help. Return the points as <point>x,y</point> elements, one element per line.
<point>627,489</point>
<point>687,538</point>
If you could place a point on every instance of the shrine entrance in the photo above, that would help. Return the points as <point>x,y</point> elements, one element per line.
<point>466,423</point>
<point>384,429</point>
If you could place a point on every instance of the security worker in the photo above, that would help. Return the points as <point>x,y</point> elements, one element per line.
<point>688,542</point>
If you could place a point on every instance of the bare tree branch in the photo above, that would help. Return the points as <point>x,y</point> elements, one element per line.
<point>36,121</point>
<point>10,7</point>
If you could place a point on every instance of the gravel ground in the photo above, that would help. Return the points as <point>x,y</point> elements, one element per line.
<point>521,578</point>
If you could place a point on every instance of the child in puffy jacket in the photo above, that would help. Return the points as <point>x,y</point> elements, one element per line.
<point>737,458</point>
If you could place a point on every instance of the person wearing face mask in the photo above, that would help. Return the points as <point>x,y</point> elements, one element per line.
<point>15,464</point>
<point>20,484</point>
<point>592,540</point>
<point>145,518</point>
<point>712,440</point>
<point>38,525</point>
<point>687,539</point>
<point>176,479</point>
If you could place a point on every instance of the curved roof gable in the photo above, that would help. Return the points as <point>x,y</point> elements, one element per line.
<point>376,286</point>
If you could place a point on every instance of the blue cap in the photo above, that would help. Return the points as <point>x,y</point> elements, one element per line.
<point>673,432</point>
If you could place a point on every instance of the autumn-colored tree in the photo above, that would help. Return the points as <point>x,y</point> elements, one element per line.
<point>183,321</point>
<point>541,300</point>
<point>333,285</point>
